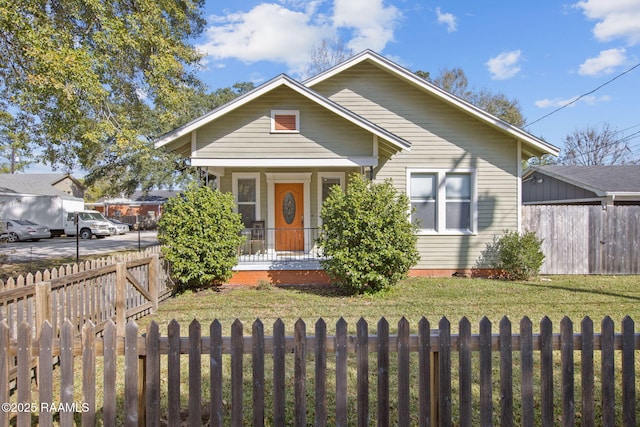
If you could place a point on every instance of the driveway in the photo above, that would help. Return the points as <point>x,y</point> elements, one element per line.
<point>65,247</point>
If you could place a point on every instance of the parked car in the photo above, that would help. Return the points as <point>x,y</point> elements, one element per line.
<point>121,227</point>
<point>23,229</point>
<point>4,236</point>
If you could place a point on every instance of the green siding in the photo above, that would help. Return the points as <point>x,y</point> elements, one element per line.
<point>442,137</point>
<point>246,132</point>
<point>226,183</point>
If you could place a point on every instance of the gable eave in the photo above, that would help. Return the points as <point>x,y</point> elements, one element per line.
<point>560,177</point>
<point>532,145</point>
<point>282,80</point>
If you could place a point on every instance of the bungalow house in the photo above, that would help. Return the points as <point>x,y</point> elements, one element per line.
<point>280,147</point>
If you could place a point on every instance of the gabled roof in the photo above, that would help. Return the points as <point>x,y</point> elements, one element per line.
<point>622,180</point>
<point>279,81</point>
<point>534,145</point>
<point>41,184</point>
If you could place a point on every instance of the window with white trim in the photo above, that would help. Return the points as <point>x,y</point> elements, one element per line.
<point>442,201</point>
<point>285,121</point>
<point>246,191</point>
<point>326,180</point>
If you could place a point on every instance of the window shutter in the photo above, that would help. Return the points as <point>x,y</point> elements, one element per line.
<point>285,122</point>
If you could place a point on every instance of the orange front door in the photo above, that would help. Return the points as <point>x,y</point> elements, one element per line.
<point>289,212</point>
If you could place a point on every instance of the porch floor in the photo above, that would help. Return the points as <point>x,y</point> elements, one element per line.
<point>254,263</point>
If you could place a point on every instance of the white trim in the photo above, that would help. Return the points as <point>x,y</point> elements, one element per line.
<point>519,186</point>
<point>287,162</point>
<point>440,201</point>
<point>194,144</point>
<point>295,113</point>
<point>321,175</point>
<point>235,176</point>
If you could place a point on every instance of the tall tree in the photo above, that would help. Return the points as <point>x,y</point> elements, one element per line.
<point>14,148</point>
<point>455,81</point>
<point>85,74</point>
<point>122,173</point>
<point>591,146</point>
<point>328,53</point>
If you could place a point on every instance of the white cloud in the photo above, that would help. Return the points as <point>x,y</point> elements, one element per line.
<point>559,102</point>
<point>266,32</point>
<point>373,23</point>
<point>605,63</point>
<point>286,32</point>
<point>448,19</point>
<point>505,65</point>
<point>619,19</point>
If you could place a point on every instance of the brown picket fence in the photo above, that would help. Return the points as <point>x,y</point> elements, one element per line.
<point>326,380</point>
<point>116,288</point>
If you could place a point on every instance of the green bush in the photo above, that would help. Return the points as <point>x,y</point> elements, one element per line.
<point>518,256</point>
<point>367,236</point>
<point>200,235</point>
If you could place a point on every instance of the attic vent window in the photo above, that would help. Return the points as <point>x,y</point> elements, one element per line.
<point>285,121</point>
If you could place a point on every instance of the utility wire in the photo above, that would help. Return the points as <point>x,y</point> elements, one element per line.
<point>583,95</point>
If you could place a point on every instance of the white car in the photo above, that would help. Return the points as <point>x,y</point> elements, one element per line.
<point>121,227</point>
<point>22,229</point>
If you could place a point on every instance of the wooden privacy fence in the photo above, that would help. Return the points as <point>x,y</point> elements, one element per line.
<point>488,391</point>
<point>586,239</point>
<point>117,288</point>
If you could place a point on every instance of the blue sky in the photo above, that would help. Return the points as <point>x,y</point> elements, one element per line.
<point>545,53</point>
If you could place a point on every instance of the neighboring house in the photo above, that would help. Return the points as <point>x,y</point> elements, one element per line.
<point>42,198</point>
<point>41,184</point>
<point>280,147</point>
<point>586,216</point>
<point>582,185</point>
<point>140,203</point>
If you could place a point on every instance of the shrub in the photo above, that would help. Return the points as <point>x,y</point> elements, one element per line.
<point>366,235</point>
<point>200,235</point>
<point>518,256</point>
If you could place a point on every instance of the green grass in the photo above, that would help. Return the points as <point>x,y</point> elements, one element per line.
<point>454,298</point>
<point>555,297</point>
<point>433,298</point>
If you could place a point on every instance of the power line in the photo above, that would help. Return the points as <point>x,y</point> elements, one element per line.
<point>583,95</point>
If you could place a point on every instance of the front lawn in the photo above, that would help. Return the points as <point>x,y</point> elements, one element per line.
<point>433,298</point>
<point>555,297</point>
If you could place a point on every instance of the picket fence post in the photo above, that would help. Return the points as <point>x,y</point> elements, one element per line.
<point>43,305</point>
<point>121,307</point>
<point>154,278</point>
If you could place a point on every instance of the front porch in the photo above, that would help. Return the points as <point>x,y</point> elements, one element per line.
<point>262,258</point>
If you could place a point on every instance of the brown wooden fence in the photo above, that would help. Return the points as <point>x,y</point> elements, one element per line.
<point>112,288</point>
<point>508,379</point>
<point>586,239</point>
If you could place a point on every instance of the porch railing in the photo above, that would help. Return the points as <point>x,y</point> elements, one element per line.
<point>279,244</point>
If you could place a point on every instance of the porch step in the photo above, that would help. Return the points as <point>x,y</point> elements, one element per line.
<point>294,265</point>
